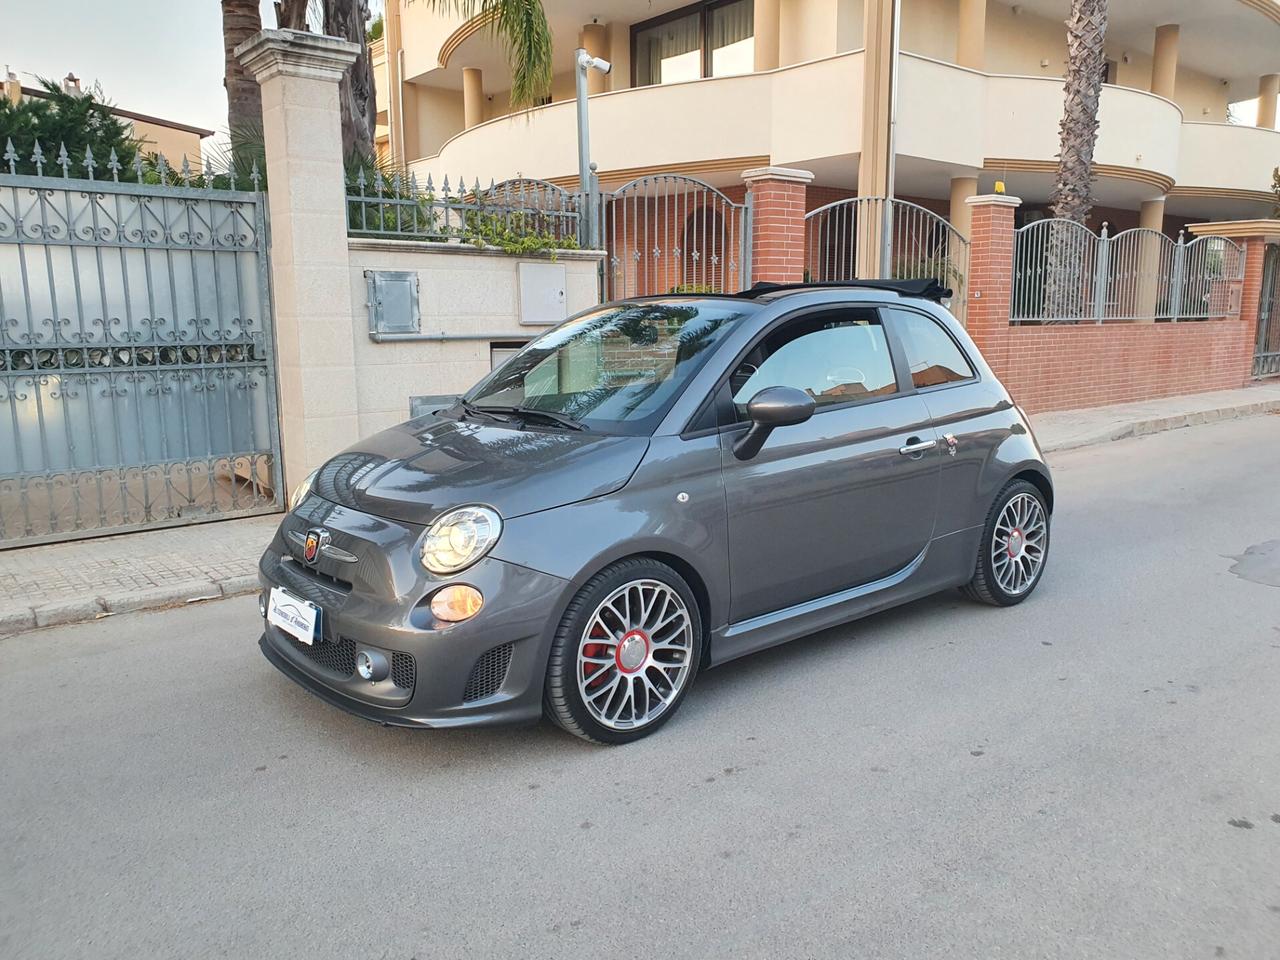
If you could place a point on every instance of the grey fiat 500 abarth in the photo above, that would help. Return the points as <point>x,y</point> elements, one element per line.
<point>652,488</point>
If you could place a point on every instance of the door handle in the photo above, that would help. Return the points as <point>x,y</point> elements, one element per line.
<point>916,445</point>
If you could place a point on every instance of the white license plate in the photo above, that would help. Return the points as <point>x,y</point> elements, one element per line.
<point>298,618</point>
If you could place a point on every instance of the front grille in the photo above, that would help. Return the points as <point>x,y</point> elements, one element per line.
<point>403,670</point>
<point>488,674</point>
<point>338,657</point>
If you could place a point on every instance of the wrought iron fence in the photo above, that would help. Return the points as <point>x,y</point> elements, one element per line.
<point>519,212</point>
<point>1064,273</point>
<point>1266,354</point>
<point>671,233</point>
<point>136,370</point>
<point>885,238</point>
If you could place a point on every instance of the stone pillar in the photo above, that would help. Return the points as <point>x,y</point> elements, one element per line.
<point>1268,91</point>
<point>472,97</point>
<point>393,43</point>
<point>990,282</point>
<point>310,268</point>
<point>13,89</point>
<point>1150,217</point>
<point>874,159</point>
<point>962,188</point>
<point>767,20</point>
<point>971,34</point>
<point>777,223</point>
<point>1164,61</point>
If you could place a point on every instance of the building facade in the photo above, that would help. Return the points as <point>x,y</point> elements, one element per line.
<point>719,86</point>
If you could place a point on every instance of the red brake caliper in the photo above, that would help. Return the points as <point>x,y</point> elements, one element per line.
<point>594,650</point>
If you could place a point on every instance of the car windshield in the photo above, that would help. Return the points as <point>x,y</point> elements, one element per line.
<point>617,369</point>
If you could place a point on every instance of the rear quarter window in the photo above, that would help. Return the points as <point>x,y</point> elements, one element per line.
<point>933,356</point>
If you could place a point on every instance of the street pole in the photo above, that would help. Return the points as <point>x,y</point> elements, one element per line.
<point>886,229</point>
<point>583,62</point>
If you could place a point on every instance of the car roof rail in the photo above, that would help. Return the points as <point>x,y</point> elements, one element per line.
<point>927,288</point>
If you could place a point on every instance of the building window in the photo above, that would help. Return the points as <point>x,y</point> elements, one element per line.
<point>501,351</point>
<point>712,39</point>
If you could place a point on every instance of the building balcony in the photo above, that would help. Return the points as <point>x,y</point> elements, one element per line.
<point>953,121</point>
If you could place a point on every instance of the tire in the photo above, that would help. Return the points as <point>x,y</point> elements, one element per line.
<point>634,631</point>
<point>1005,582</point>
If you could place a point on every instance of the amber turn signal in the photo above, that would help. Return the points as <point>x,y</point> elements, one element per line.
<point>456,602</point>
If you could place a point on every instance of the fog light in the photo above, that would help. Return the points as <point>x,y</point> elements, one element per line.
<point>456,602</point>
<point>262,605</point>
<point>372,666</point>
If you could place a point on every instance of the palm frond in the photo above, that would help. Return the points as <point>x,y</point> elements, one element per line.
<point>522,29</point>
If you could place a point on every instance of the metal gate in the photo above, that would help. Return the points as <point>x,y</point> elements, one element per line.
<point>1266,355</point>
<point>879,238</point>
<point>137,384</point>
<point>669,233</point>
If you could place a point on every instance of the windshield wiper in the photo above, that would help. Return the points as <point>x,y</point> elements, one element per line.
<point>559,419</point>
<point>487,413</point>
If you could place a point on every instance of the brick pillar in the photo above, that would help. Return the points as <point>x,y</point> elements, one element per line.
<point>990,281</point>
<point>310,265</point>
<point>777,223</point>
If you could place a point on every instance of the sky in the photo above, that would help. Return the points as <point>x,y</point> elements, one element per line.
<point>162,59</point>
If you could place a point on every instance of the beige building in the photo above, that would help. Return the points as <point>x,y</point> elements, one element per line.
<point>168,137</point>
<point>715,87</point>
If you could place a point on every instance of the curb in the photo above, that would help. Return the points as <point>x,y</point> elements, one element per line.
<point>1143,428</point>
<point>19,618</point>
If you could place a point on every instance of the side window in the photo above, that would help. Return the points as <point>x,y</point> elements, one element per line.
<point>833,358</point>
<point>932,355</point>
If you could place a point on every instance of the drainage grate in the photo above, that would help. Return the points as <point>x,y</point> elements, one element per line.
<point>488,674</point>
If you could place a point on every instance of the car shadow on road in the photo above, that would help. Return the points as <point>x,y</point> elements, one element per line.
<point>838,648</point>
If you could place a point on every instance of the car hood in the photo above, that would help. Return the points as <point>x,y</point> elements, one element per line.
<point>415,471</point>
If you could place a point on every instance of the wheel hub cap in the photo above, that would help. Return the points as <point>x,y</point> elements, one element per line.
<point>633,651</point>
<point>1013,546</point>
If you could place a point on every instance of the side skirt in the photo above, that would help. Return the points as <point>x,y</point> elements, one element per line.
<point>945,562</point>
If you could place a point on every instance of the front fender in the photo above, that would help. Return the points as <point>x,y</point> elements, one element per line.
<point>648,516</point>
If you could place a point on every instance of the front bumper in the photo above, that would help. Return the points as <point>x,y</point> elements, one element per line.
<point>486,670</point>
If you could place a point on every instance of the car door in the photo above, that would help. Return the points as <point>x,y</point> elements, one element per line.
<point>844,499</point>
<point>970,416</point>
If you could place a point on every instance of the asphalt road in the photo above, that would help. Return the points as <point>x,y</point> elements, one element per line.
<point>1095,773</point>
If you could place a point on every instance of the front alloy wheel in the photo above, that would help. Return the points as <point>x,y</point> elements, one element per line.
<point>1015,545</point>
<point>625,653</point>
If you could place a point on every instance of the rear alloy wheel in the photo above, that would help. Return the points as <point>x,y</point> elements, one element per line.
<point>625,653</point>
<point>1015,545</point>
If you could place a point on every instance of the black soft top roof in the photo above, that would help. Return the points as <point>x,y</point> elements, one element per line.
<point>928,288</point>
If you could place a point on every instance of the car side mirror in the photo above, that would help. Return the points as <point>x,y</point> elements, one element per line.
<point>770,408</point>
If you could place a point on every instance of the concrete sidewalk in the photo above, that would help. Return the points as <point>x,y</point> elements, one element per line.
<point>88,579</point>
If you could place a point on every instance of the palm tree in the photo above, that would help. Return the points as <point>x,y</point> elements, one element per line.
<point>240,21</point>
<point>521,26</point>
<point>1086,66</point>
<point>1072,200</point>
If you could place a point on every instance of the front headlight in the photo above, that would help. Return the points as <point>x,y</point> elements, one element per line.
<point>301,490</point>
<point>460,538</point>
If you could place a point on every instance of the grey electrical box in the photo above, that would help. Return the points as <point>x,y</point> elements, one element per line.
<point>393,302</point>
<point>543,298</point>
